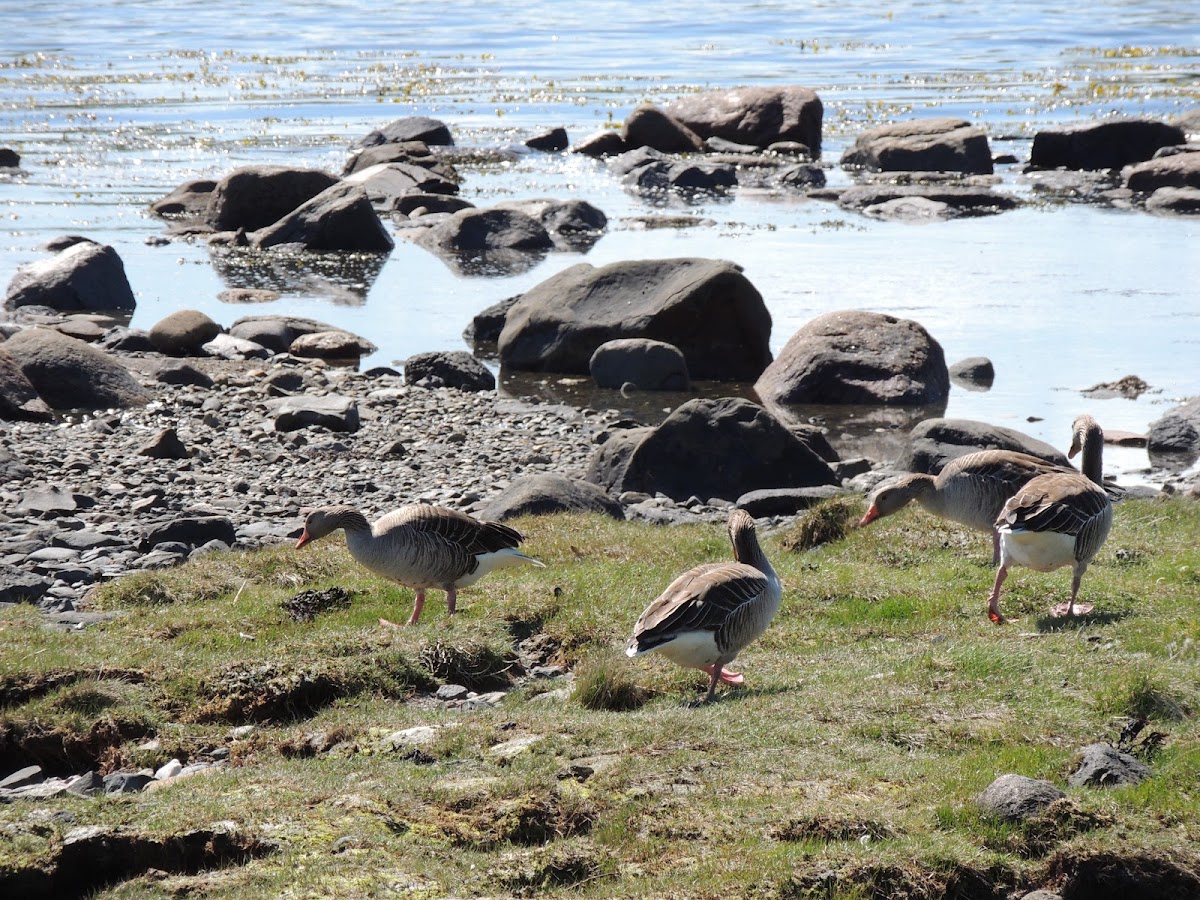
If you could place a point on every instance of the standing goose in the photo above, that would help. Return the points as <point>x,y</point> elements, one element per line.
<point>970,490</point>
<point>1058,519</point>
<point>709,613</point>
<point>422,547</point>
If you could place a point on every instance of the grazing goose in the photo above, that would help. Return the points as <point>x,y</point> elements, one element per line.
<point>1058,519</point>
<point>970,490</point>
<point>708,614</point>
<point>422,547</point>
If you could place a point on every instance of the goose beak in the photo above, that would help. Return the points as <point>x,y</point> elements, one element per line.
<point>871,515</point>
<point>304,539</point>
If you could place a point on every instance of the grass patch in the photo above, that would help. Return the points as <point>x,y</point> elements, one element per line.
<point>828,521</point>
<point>876,706</point>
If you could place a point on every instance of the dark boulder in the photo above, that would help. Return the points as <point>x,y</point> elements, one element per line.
<point>922,145</point>
<point>706,308</point>
<point>935,442</point>
<point>451,368</point>
<point>785,501</point>
<point>69,374</point>
<point>1106,145</point>
<point>603,143</point>
<point>412,153</point>
<point>957,199</point>
<point>193,531</point>
<point>1173,440</point>
<point>974,372</point>
<point>183,333</point>
<point>329,411</point>
<point>419,204</point>
<point>649,126</point>
<point>488,229</point>
<point>173,372</point>
<point>254,197</point>
<point>18,397</point>
<point>410,128</point>
<point>759,116</point>
<point>484,329</point>
<point>547,493</point>
<point>549,141</point>
<point>1179,171</point>
<point>1102,765</point>
<point>857,357</point>
<point>1184,200</point>
<point>709,448</point>
<point>86,276</point>
<point>189,200</point>
<point>339,218</point>
<point>387,183</point>
<point>20,586</point>
<point>574,223</point>
<point>9,158</point>
<point>647,365</point>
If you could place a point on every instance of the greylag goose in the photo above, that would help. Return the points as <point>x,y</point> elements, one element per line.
<point>709,613</point>
<point>422,547</point>
<point>1058,519</point>
<point>970,490</point>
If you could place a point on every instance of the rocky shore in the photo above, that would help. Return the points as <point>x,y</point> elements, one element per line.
<point>203,467</point>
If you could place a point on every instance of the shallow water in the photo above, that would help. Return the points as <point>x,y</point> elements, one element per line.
<point>112,107</point>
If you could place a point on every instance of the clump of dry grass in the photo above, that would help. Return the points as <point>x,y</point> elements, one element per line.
<point>603,681</point>
<point>825,523</point>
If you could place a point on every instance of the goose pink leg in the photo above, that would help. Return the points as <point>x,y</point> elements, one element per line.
<point>418,605</point>
<point>994,597</point>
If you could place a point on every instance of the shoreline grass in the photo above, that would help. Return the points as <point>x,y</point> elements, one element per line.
<point>878,704</point>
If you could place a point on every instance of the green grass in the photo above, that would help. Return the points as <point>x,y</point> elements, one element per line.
<point>879,702</point>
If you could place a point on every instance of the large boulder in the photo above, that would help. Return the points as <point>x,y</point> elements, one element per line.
<point>706,308</point>
<point>546,493</point>
<point>276,333</point>
<point>1106,145</point>
<point>649,126</point>
<point>1183,200</point>
<point>1174,439</point>
<point>385,184</point>
<point>339,218</point>
<point>1016,797</point>
<point>450,368</point>
<point>759,116</point>
<point>922,145</point>
<point>189,200</point>
<point>414,153</point>
<point>646,364</point>
<point>575,223</point>
<point>18,397</point>
<point>410,128</point>
<point>858,357</point>
<point>254,197</point>
<point>183,333</point>
<point>86,276</point>
<point>1178,171</point>
<point>69,374</point>
<point>709,448</point>
<point>487,229</point>
<point>934,442</point>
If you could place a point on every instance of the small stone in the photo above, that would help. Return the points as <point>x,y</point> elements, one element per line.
<point>242,732</point>
<point>126,782</point>
<point>448,692</point>
<point>86,785</point>
<point>1103,766</point>
<point>1017,797</point>
<point>169,770</point>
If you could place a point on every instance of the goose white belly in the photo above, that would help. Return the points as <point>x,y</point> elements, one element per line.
<point>1042,551</point>
<point>490,562</point>
<point>692,649</point>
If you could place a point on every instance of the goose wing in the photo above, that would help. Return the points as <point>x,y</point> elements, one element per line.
<point>701,599</point>
<point>1064,504</point>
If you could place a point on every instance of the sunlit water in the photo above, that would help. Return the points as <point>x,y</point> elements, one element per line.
<point>112,104</point>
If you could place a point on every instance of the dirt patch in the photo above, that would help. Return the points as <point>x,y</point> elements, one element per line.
<point>473,664</point>
<point>532,820</point>
<point>828,829</point>
<point>90,859</point>
<point>1111,876</point>
<point>1036,836</point>
<point>62,752</point>
<point>527,874</point>
<point>19,688</point>
<point>894,882</point>
<point>267,692</point>
<point>307,605</point>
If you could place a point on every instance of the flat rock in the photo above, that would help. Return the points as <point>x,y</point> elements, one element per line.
<point>547,493</point>
<point>785,501</point>
<point>1103,145</point>
<point>930,145</point>
<point>934,442</point>
<point>332,412</point>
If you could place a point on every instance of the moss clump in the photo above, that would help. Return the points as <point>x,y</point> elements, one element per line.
<point>825,523</point>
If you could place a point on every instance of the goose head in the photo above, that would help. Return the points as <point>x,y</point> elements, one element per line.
<point>323,521</point>
<point>894,496</point>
